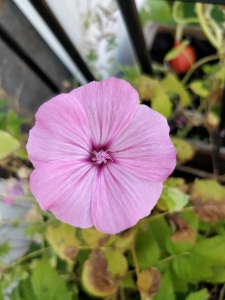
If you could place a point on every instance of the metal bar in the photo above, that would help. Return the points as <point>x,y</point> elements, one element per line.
<point>131,18</point>
<point>52,22</point>
<point>12,44</point>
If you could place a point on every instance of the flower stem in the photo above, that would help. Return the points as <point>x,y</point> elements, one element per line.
<point>133,252</point>
<point>197,65</point>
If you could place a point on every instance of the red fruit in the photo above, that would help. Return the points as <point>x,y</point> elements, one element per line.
<point>184,60</point>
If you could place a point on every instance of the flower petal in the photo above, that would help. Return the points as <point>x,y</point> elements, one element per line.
<point>61,131</point>
<point>65,188</point>
<point>120,199</point>
<point>145,148</point>
<point>110,106</point>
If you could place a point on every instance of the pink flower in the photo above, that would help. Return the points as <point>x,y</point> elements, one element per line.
<point>100,157</point>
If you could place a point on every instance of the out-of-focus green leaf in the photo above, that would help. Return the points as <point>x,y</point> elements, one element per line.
<point>96,278</point>
<point>116,263</point>
<point>95,238</point>
<point>161,229</point>
<point>172,199</point>
<point>147,249</point>
<point>123,241</point>
<point>26,290</point>
<point>21,153</point>
<point>46,283</point>
<point>211,250</point>
<point>176,182</point>
<point>185,151</point>
<point>166,290</point>
<point>158,11</point>
<point>63,240</point>
<point>191,268</point>
<point>127,282</point>
<point>8,144</point>
<point>200,295</point>
<point>199,89</point>
<point>172,85</point>
<point>147,87</point>
<point>174,52</point>
<point>162,103</point>
<point>1,292</point>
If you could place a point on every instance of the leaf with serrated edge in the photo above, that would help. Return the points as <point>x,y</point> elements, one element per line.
<point>46,283</point>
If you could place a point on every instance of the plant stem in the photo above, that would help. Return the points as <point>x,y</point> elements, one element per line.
<point>28,256</point>
<point>133,252</point>
<point>122,294</point>
<point>179,32</point>
<point>203,23</point>
<point>197,65</point>
<point>222,292</point>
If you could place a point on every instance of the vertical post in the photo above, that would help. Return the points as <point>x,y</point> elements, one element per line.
<point>131,19</point>
<point>52,22</point>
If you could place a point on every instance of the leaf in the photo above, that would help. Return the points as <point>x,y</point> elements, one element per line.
<point>1,292</point>
<point>172,199</point>
<point>208,197</point>
<point>8,144</point>
<point>94,238</point>
<point>172,85</point>
<point>211,250</point>
<point>123,241</point>
<point>200,295</point>
<point>199,89</point>
<point>127,282</point>
<point>63,240</point>
<point>116,263</point>
<point>184,267</point>
<point>166,290</point>
<point>26,290</point>
<point>21,153</point>
<point>218,275</point>
<point>185,151</point>
<point>158,11</point>
<point>148,282</point>
<point>174,52</point>
<point>46,283</point>
<point>160,229</point>
<point>147,87</point>
<point>146,247</point>
<point>96,278</point>
<point>177,182</point>
<point>162,103</point>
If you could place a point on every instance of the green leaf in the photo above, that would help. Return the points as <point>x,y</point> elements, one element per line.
<point>200,295</point>
<point>166,290</point>
<point>1,292</point>
<point>21,153</point>
<point>8,144</point>
<point>26,290</point>
<point>46,283</point>
<point>218,275</point>
<point>172,85</point>
<point>158,11</point>
<point>177,247</point>
<point>185,151</point>
<point>199,89</point>
<point>162,103</point>
<point>127,282</point>
<point>63,240</point>
<point>147,87</point>
<point>172,199</point>
<point>123,241</point>
<point>161,229</point>
<point>176,182</point>
<point>146,247</point>
<point>211,250</point>
<point>94,238</point>
<point>184,266</point>
<point>174,52</point>
<point>116,263</point>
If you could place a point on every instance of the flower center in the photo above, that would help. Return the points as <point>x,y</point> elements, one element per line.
<point>101,157</point>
